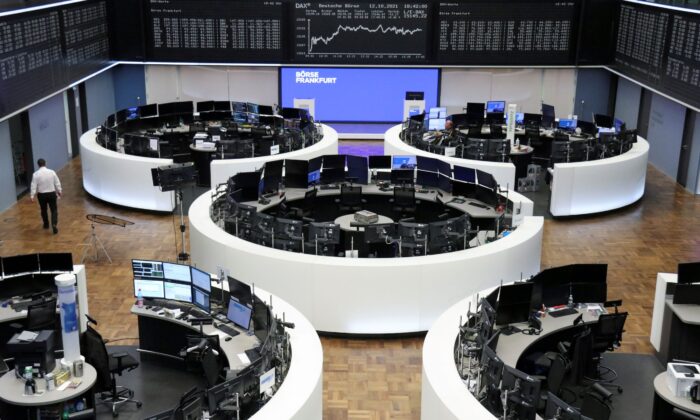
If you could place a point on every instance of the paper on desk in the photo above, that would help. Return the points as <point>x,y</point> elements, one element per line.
<point>244,358</point>
<point>27,336</point>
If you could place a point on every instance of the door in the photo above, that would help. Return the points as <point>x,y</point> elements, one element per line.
<point>684,158</point>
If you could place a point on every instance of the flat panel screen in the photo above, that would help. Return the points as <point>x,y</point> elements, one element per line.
<point>149,288</point>
<point>214,30</point>
<point>350,94</point>
<point>61,261</point>
<point>177,272</point>
<point>200,298</point>
<point>364,32</point>
<point>178,291</point>
<point>19,264</point>
<point>465,174</point>
<point>239,313</point>
<point>201,279</point>
<point>240,291</point>
<point>506,32</point>
<point>380,162</point>
<point>403,162</point>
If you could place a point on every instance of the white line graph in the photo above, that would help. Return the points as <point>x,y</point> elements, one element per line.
<point>312,41</point>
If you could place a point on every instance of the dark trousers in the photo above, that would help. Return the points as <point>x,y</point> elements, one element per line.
<point>48,200</point>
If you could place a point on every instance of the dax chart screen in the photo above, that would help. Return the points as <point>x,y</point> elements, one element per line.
<point>326,32</point>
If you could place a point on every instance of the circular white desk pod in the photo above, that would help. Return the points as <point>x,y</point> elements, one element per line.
<point>366,295</point>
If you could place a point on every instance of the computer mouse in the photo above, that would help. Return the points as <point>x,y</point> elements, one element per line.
<point>228,338</point>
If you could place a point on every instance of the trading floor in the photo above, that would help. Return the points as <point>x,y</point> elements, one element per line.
<point>377,378</point>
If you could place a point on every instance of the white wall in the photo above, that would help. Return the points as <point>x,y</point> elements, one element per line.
<point>666,123</point>
<point>7,171</point>
<point>167,83</point>
<point>47,123</point>
<point>629,95</point>
<point>99,95</point>
<point>526,87</point>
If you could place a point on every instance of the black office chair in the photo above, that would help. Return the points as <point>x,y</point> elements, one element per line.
<point>404,201</point>
<point>306,209</point>
<point>607,336</point>
<point>350,198</point>
<point>497,132</point>
<point>108,366</point>
<point>679,414</point>
<point>532,137</point>
<point>597,403</point>
<point>41,316</point>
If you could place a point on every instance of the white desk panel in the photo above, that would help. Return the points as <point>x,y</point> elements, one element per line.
<point>222,169</point>
<point>599,185</point>
<point>122,179</point>
<point>366,295</point>
<point>504,172</point>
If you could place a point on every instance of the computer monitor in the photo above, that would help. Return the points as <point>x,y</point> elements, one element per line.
<point>149,288</point>
<point>523,392</point>
<point>603,120</point>
<point>427,163</point>
<point>191,409</point>
<point>262,319</point>
<point>380,162</point>
<point>324,231</point>
<point>444,233</point>
<point>296,173</point>
<point>238,106</point>
<point>548,116</point>
<point>688,294</point>
<point>59,261</point>
<point>332,175</point>
<point>403,162</point>
<point>589,291</point>
<point>147,269</point>
<point>169,108</point>
<point>273,175</point>
<point>465,174</point>
<point>313,177</point>
<point>428,179</point>
<point>239,313</point>
<point>201,279</point>
<point>475,109</point>
<point>177,272</point>
<point>146,111</point>
<point>459,120</point>
<point>248,183</point>
<point>201,299</point>
<point>558,409</point>
<point>514,303</point>
<point>222,392</point>
<point>445,183</point>
<point>288,229</point>
<point>413,232</point>
<point>587,127</point>
<point>240,291</point>
<point>532,120</point>
<point>439,112</point>
<point>251,107</point>
<point>205,106</point>
<point>333,161</point>
<point>485,179</point>
<point>358,170</point>
<point>436,124</point>
<point>568,125</point>
<point>378,233</point>
<point>463,189</point>
<point>496,106</point>
<point>497,118</point>
<point>265,110</point>
<point>20,264</point>
<point>402,176</point>
<point>619,125</point>
<point>688,273</point>
<point>492,366</point>
<point>178,291</point>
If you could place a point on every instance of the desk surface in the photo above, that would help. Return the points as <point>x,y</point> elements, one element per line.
<point>662,390</point>
<point>12,389</point>
<point>231,349</point>
<point>689,314</point>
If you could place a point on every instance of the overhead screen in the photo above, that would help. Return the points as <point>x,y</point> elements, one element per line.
<point>660,48</point>
<point>351,94</point>
<point>44,51</point>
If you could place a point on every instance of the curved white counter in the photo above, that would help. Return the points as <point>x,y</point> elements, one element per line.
<point>444,395</point>
<point>599,185</point>
<point>126,180</point>
<point>366,295</point>
<point>222,169</point>
<point>300,397</point>
<point>504,172</point>
<point>122,179</point>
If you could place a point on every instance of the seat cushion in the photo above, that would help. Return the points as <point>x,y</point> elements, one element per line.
<point>128,362</point>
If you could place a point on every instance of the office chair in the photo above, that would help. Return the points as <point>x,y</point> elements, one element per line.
<point>607,335</point>
<point>404,201</point>
<point>306,209</point>
<point>597,403</point>
<point>350,198</point>
<point>40,316</point>
<point>532,137</point>
<point>497,132</point>
<point>679,414</point>
<point>108,366</point>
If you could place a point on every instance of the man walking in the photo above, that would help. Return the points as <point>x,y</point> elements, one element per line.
<point>47,187</point>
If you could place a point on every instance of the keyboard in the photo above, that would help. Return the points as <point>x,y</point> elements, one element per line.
<point>330,187</point>
<point>22,306</point>
<point>198,314</point>
<point>227,329</point>
<point>563,312</point>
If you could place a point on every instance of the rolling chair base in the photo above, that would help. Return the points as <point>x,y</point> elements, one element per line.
<point>123,396</point>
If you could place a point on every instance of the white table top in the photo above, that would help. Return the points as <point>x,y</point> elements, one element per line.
<point>344,222</point>
<point>662,390</point>
<point>689,314</point>
<point>12,389</point>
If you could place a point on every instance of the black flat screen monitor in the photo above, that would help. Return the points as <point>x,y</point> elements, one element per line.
<point>493,367</point>
<point>586,127</point>
<point>485,179</point>
<point>265,110</point>
<point>170,108</point>
<point>603,121</point>
<point>222,106</point>
<point>205,106</point>
<point>560,410</point>
<point>379,162</point>
<point>60,261</point>
<point>111,119</point>
<point>402,176</point>
<point>476,109</point>
<point>240,291</point>
<point>332,175</point>
<point>495,118</point>
<point>514,303</point>
<point>532,120</point>
<point>273,175</point>
<point>324,231</point>
<point>465,174</point>
<point>378,233</point>
<point>121,116</point>
<point>315,163</point>
<point>201,299</point>
<point>248,183</point>
<point>589,292</point>
<point>459,120</point>
<point>201,279</point>
<point>20,264</point>
<point>222,392</point>
<point>524,393</point>
<point>427,163</point>
<point>547,115</point>
<point>238,107</point>
<point>687,294</point>
<point>262,319</point>
<point>492,298</point>
<point>496,106</point>
<point>239,313</point>
<point>146,111</point>
<point>463,189</point>
<point>358,170</point>
<point>486,195</point>
<point>428,179</point>
<point>296,173</point>
<point>445,183</point>
<point>687,273</point>
<point>251,108</point>
<point>333,162</point>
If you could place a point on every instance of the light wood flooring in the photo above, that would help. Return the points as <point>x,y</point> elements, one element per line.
<point>376,378</point>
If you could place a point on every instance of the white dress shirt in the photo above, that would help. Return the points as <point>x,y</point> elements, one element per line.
<point>44,181</point>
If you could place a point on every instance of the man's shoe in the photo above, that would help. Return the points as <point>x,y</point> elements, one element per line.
<point>55,230</point>
<point>46,226</point>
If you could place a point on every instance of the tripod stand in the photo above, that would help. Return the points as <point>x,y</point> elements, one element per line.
<point>182,256</point>
<point>95,243</point>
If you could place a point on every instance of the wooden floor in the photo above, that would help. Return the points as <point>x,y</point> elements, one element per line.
<point>376,379</point>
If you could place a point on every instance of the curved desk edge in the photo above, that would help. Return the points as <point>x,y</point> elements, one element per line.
<point>222,169</point>
<point>503,172</point>
<point>600,185</point>
<point>664,392</point>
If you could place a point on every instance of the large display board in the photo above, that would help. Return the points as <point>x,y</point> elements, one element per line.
<point>497,32</point>
<point>44,51</point>
<point>660,48</point>
<point>361,31</point>
<point>215,30</point>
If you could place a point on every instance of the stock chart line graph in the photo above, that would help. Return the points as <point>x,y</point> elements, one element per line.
<point>325,32</point>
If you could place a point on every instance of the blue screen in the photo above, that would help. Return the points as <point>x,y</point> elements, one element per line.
<point>568,124</point>
<point>350,94</point>
<point>239,314</point>
<point>496,106</point>
<point>403,162</point>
